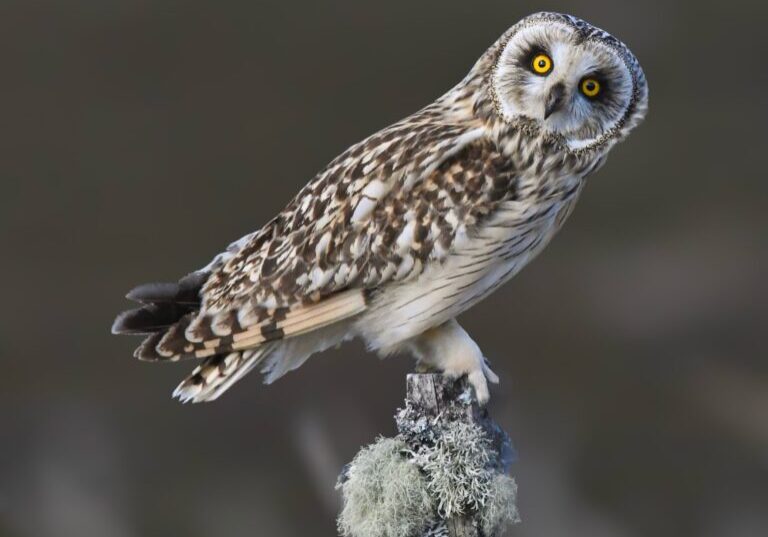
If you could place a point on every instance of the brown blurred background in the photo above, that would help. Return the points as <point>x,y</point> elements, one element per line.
<point>139,137</point>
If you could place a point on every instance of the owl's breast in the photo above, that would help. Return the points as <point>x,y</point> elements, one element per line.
<point>480,262</point>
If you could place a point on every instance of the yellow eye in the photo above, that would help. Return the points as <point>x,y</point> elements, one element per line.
<point>590,87</point>
<point>542,64</point>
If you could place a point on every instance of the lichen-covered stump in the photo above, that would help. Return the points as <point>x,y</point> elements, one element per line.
<point>443,475</point>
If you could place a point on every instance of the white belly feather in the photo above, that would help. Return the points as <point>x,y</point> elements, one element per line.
<point>479,263</point>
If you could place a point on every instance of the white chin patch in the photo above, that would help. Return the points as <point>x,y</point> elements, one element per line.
<point>576,145</point>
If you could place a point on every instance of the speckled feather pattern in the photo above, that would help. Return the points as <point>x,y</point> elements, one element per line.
<point>394,220</point>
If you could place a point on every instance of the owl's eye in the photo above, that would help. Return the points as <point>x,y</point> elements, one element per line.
<point>590,87</point>
<point>541,64</point>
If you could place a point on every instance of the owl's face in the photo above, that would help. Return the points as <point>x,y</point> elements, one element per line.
<point>574,81</point>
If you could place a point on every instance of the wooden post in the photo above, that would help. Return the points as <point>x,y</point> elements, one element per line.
<point>432,395</point>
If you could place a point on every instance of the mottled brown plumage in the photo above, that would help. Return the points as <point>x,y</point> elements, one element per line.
<point>411,226</point>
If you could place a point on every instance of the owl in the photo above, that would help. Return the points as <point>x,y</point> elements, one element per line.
<point>407,229</point>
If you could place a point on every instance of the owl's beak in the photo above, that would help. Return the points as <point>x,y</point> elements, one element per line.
<point>555,99</point>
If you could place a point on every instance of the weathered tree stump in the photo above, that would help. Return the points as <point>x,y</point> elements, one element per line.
<point>434,395</point>
<point>445,474</point>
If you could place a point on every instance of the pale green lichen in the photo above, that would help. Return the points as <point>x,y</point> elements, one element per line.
<point>384,494</point>
<point>500,509</point>
<point>394,490</point>
<point>457,467</point>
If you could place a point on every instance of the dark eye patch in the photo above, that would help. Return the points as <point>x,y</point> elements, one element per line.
<point>605,86</point>
<point>526,59</point>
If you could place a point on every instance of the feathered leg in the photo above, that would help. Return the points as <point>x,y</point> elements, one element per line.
<point>449,348</point>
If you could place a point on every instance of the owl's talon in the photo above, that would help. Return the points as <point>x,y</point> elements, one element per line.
<point>492,377</point>
<point>449,349</point>
<point>479,383</point>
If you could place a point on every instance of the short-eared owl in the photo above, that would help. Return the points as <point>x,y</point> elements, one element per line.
<point>410,227</point>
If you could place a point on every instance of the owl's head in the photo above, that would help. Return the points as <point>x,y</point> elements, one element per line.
<point>573,81</point>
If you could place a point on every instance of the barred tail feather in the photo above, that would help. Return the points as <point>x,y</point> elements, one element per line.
<point>234,341</point>
<point>217,374</point>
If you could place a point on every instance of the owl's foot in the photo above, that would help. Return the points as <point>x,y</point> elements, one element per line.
<point>478,377</point>
<point>424,368</point>
<point>448,348</point>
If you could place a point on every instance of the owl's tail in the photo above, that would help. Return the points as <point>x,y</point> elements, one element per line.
<point>216,374</point>
<point>168,309</point>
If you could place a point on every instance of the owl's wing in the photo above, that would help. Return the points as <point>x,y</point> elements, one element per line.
<point>378,213</point>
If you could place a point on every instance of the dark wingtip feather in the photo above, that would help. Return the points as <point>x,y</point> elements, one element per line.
<point>153,292</point>
<point>148,319</point>
<point>164,306</point>
<point>186,291</point>
<point>126,323</point>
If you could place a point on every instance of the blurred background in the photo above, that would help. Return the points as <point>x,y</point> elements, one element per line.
<point>139,137</point>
